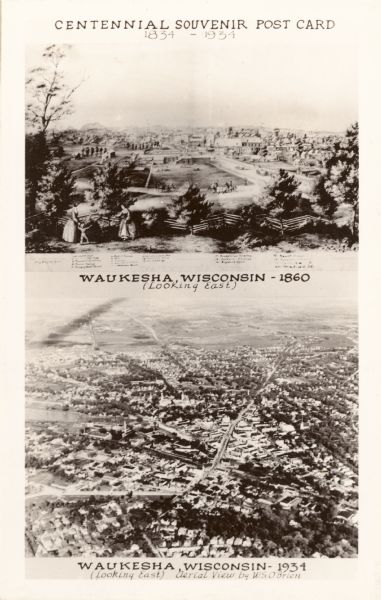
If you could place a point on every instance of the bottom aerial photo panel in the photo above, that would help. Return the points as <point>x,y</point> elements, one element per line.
<point>197,431</point>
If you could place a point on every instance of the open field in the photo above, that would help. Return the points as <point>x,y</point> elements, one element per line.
<point>123,325</point>
<point>200,174</point>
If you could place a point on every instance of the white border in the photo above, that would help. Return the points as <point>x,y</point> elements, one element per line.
<point>12,582</point>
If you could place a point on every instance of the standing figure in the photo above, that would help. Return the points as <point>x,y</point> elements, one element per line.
<point>70,232</point>
<point>127,227</point>
<point>82,228</point>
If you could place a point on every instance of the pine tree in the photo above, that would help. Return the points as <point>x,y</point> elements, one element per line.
<point>284,195</point>
<point>110,186</point>
<point>191,208</point>
<point>325,200</point>
<point>339,187</point>
<point>36,157</point>
<point>56,190</point>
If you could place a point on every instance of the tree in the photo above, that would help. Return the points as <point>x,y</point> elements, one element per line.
<point>299,146</point>
<point>110,186</point>
<point>48,97</point>
<point>263,151</point>
<point>55,190</point>
<point>190,208</point>
<point>324,198</point>
<point>338,189</point>
<point>284,195</point>
<point>251,215</point>
<point>36,155</point>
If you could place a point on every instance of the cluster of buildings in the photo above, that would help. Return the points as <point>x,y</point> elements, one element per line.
<point>214,443</point>
<point>78,528</point>
<point>305,150</point>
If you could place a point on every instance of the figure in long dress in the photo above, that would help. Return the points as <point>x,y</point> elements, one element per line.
<point>70,232</point>
<point>127,227</point>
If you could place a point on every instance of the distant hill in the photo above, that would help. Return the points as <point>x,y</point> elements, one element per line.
<point>89,126</point>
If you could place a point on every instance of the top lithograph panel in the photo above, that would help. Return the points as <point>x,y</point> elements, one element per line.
<point>210,136</point>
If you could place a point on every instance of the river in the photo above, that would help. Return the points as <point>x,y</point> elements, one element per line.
<point>69,417</point>
<point>63,416</point>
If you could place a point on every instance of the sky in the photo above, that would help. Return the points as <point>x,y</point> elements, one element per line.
<point>304,82</point>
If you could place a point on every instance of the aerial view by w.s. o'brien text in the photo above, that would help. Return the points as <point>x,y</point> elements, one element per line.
<point>141,148</point>
<point>211,432</point>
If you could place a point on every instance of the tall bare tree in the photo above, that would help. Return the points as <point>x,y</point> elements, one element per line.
<point>48,97</point>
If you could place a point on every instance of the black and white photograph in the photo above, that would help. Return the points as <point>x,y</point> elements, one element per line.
<point>189,321</point>
<point>203,431</point>
<point>215,148</point>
